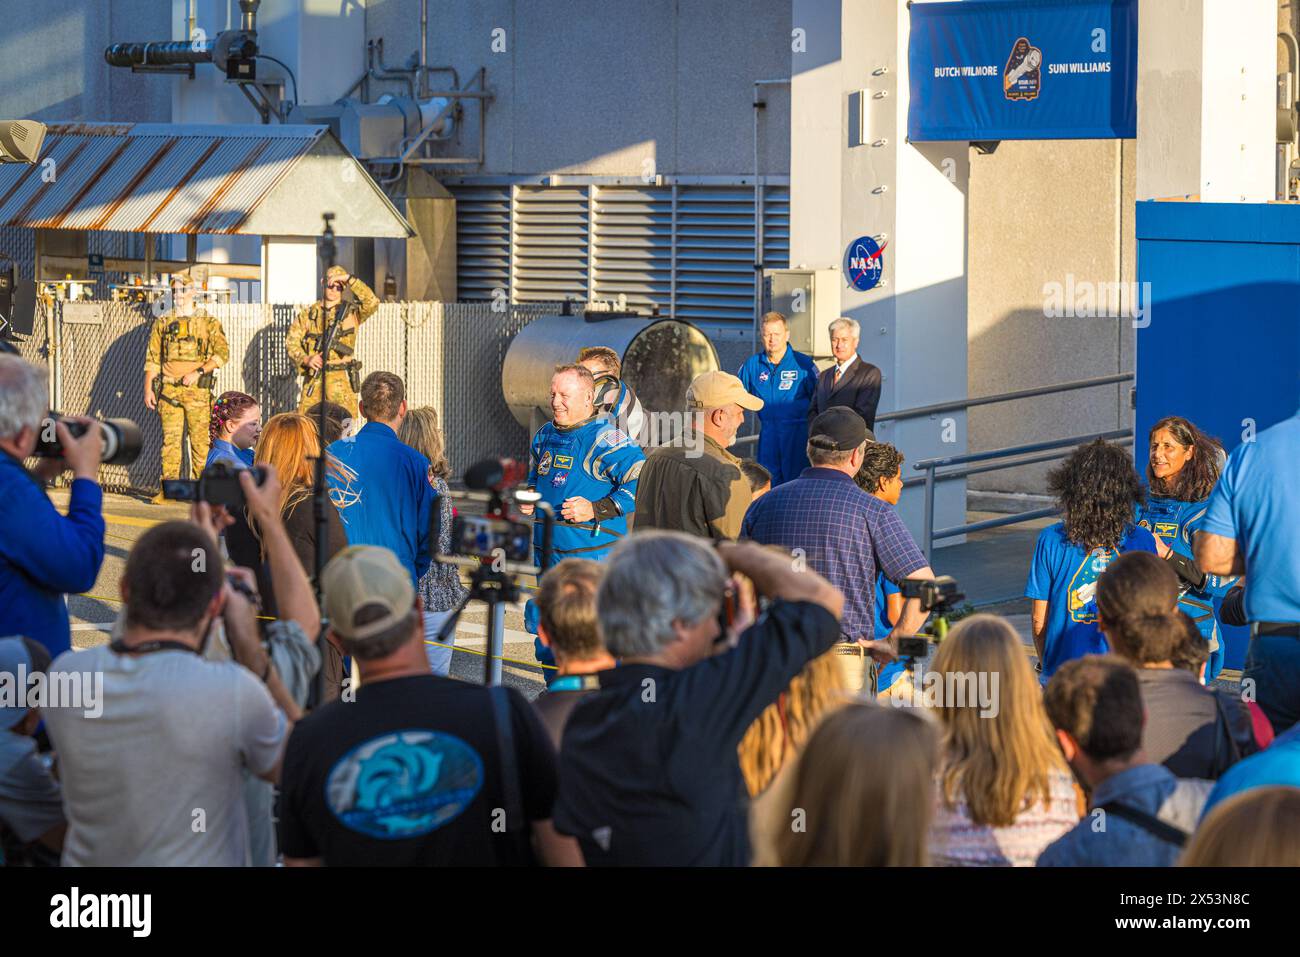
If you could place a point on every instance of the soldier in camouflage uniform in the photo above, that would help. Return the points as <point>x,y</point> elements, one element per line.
<point>186,346</point>
<point>342,371</point>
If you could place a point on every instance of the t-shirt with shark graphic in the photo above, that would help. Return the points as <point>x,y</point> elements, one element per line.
<point>1065,576</point>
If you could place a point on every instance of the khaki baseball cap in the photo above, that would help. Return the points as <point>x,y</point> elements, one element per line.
<point>361,576</point>
<point>712,390</point>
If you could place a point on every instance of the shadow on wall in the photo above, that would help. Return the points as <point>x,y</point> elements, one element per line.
<point>266,369</point>
<point>1025,349</point>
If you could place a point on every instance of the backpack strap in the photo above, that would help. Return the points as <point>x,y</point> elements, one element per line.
<point>1148,822</point>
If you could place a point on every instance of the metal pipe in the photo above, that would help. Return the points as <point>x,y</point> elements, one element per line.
<point>1019,449</point>
<point>988,523</point>
<point>156,53</point>
<point>927,535</point>
<point>960,404</point>
<point>424,48</point>
<point>248,15</point>
<point>759,104</point>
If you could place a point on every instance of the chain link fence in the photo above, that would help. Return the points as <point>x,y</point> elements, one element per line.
<point>449,355</point>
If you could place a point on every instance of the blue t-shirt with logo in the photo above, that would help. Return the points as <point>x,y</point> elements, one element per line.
<point>1065,576</point>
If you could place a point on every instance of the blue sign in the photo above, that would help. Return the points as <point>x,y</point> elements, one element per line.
<point>864,263</point>
<point>1023,70</point>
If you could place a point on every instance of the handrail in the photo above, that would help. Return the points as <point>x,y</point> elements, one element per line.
<point>959,404</point>
<point>931,466</point>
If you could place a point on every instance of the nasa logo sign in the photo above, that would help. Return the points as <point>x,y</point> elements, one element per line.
<point>864,263</point>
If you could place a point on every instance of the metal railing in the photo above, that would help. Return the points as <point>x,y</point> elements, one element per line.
<point>1055,449</point>
<point>931,466</point>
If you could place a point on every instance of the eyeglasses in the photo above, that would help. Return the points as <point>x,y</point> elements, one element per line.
<point>335,285</point>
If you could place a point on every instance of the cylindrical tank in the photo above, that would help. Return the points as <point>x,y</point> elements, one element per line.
<point>660,357</point>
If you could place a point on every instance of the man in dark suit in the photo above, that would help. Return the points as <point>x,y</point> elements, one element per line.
<point>852,381</point>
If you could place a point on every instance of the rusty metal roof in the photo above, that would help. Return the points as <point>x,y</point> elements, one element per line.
<point>157,177</point>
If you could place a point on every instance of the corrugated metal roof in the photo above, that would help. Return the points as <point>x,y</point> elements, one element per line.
<point>151,177</point>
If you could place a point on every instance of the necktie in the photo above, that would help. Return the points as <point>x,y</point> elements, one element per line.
<point>839,371</point>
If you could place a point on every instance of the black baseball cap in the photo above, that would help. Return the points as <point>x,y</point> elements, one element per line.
<point>843,427</point>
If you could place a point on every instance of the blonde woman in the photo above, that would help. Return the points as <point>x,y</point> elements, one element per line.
<point>289,442</point>
<point>1257,828</point>
<point>1005,791</point>
<point>840,810</point>
<point>441,590</point>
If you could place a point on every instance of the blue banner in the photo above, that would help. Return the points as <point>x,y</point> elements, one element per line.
<point>1023,70</point>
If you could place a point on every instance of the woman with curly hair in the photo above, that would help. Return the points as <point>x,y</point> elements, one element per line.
<point>1182,469</point>
<point>1097,490</point>
<point>234,427</point>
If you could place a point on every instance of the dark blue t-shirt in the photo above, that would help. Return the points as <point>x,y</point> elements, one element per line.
<point>1065,576</point>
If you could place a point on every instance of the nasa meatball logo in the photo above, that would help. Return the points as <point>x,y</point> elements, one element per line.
<point>1022,79</point>
<point>864,263</point>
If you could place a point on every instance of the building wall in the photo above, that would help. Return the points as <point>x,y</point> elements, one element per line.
<point>1043,212</point>
<point>609,87</point>
<point>52,64</point>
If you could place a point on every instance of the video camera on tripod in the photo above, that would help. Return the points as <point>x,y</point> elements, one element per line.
<point>496,545</point>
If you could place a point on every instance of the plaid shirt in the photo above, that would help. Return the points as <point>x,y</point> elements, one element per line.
<point>844,534</point>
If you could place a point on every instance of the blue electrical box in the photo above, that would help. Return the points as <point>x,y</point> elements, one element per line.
<point>1219,340</point>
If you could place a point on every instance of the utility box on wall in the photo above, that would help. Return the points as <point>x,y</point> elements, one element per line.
<point>1219,342</point>
<point>810,301</point>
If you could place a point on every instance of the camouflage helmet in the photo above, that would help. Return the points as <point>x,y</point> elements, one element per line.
<point>335,272</point>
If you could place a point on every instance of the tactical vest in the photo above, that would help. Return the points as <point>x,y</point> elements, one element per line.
<point>185,339</point>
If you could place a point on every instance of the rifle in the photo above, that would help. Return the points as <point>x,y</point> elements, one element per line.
<point>326,342</point>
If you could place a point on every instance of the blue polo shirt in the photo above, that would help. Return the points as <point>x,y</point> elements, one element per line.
<point>1257,502</point>
<point>385,498</point>
<point>844,534</point>
<point>1278,764</point>
<point>1065,576</point>
<point>44,555</point>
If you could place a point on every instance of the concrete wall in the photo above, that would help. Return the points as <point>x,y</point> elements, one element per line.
<point>608,87</point>
<point>52,60</point>
<point>1043,212</point>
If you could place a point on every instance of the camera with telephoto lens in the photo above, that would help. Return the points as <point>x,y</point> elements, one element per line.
<point>218,485</point>
<point>122,439</point>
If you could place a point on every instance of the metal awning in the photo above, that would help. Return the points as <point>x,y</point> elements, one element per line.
<point>196,178</point>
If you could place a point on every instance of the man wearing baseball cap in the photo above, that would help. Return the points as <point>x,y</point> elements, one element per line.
<point>695,485</point>
<point>31,803</point>
<point>414,769</point>
<point>845,535</point>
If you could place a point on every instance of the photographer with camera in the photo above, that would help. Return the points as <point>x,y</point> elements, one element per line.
<point>649,773</point>
<point>43,554</point>
<point>135,803</point>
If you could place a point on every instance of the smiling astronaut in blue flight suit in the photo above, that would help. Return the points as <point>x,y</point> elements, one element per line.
<point>586,469</point>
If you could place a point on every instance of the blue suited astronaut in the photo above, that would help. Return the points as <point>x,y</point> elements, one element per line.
<point>1174,523</point>
<point>586,469</point>
<point>785,380</point>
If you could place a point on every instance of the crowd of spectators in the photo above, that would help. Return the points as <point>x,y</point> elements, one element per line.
<point>726,643</point>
